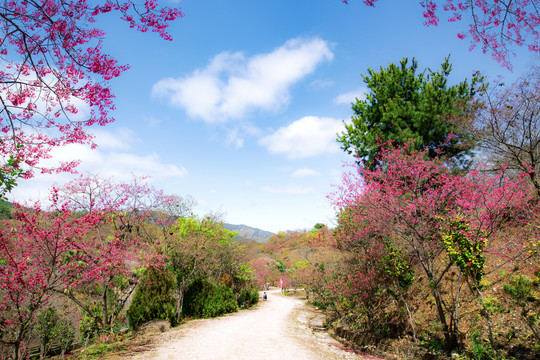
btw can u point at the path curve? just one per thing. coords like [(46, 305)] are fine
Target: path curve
[(276, 329)]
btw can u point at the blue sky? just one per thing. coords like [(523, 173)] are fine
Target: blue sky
[(241, 109)]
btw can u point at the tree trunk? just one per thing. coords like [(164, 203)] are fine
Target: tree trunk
[(179, 303), (486, 314), (524, 315), (105, 320), (450, 337), (17, 351), (18, 342)]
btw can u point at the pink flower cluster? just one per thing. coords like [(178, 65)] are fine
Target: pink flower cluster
[(77, 248), (409, 200)]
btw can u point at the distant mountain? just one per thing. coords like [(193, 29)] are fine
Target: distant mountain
[(247, 233)]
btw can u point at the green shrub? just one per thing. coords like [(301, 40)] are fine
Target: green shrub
[(525, 296), (6, 211), (204, 299), (89, 326), (196, 297), (222, 301), (47, 329), (248, 297), (320, 304), (493, 305), (481, 349), (66, 336), (54, 333), (521, 289), (154, 298)]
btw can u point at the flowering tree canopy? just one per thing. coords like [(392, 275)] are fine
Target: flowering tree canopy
[(494, 25), (443, 221), (43, 252), (52, 66), (85, 247)]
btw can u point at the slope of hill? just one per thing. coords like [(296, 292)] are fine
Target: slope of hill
[(247, 233)]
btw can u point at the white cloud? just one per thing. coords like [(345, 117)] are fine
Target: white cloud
[(120, 139), (152, 121), (309, 136), (351, 96), (71, 152), (109, 160), (305, 172), (289, 189), (232, 85), (236, 134), (320, 84), (234, 137), (122, 165)]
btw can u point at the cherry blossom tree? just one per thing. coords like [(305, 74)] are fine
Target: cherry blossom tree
[(85, 247), (376, 268), (134, 203), (54, 76), (138, 216), (495, 25), (40, 253), (261, 268), (442, 221)]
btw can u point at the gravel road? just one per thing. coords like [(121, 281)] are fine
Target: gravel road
[(278, 328)]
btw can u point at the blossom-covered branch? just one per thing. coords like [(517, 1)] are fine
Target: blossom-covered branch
[(495, 25), (54, 76)]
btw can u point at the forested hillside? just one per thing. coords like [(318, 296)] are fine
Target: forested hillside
[(248, 233)]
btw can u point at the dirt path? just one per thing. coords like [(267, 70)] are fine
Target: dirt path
[(277, 329)]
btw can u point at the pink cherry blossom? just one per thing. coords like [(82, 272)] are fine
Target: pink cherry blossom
[(53, 58)]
